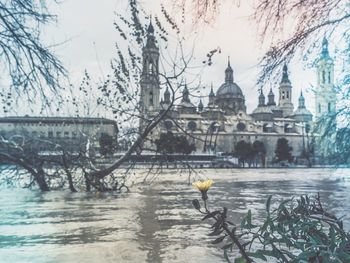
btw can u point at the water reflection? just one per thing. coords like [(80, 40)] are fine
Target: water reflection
[(154, 223)]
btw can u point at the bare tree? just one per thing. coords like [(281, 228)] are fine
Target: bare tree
[(119, 96), (31, 68)]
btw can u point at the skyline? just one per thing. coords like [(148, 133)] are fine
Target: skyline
[(89, 44)]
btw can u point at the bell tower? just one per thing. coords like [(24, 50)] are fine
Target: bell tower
[(285, 94), (149, 83), (325, 95)]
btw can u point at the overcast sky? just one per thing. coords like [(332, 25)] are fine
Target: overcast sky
[(87, 26)]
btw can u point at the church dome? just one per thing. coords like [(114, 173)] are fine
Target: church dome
[(229, 89), (263, 113), (302, 113), (229, 96)]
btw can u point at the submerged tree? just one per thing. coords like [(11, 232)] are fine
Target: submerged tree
[(283, 150), (134, 70)]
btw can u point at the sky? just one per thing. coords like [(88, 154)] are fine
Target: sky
[(86, 31)]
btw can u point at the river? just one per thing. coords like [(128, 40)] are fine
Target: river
[(155, 222)]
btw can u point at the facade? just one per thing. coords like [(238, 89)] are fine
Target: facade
[(224, 122), (51, 133)]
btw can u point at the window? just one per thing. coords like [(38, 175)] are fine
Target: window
[(323, 77), (267, 127), (319, 108), (192, 126), (150, 68), (329, 77), (288, 128), (66, 134), (329, 107), (241, 126), (58, 134), (287, 94), (151, 98), (74, 135), (282, 94), (50, 134)]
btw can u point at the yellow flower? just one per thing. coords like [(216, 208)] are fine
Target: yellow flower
[(203, 186)]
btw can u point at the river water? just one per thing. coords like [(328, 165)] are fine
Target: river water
[(153, 223)]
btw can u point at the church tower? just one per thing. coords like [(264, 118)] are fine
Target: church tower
[(325, 95), (285, 94), (150, 90)]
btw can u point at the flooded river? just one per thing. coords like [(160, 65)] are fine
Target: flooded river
[(153, 223)]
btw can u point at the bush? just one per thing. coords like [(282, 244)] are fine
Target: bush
[(295, 230)]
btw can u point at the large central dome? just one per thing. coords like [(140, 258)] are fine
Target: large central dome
[(229, 89), (229, 96)]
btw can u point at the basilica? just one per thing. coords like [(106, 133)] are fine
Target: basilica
[(224, 121)]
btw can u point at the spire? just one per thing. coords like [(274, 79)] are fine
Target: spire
[(151, 40), (211, 97), (285, 77), (211, 94), (229, 73), (150, 29), (185, 95), (271, 98), (261, 98), (200, 105), (301, 101), (325, 53), (167, 96)]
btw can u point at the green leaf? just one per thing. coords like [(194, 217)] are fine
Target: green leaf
[(218, 240), (257, 254), (229, 245), (249, 217), (268, 204), (240, 260), (226, 256)]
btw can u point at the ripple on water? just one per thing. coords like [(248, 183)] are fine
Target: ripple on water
[(154, 223)]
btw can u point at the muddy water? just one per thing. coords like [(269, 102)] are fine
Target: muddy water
[(153, 223)]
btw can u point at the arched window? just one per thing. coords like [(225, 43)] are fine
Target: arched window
[(329, 107), (151, 98), (323, 76), (288, 128), (150, 67)]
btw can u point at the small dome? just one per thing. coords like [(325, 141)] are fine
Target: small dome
[(187, 104), (231, 89), (302, 112), (262, 109), (262, 113)]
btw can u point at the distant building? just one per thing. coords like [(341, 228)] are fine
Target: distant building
[(325, 103), (325, 93), (56, 133), (224, 121)]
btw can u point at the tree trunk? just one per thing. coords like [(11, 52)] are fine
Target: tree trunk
[(40, 179)]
